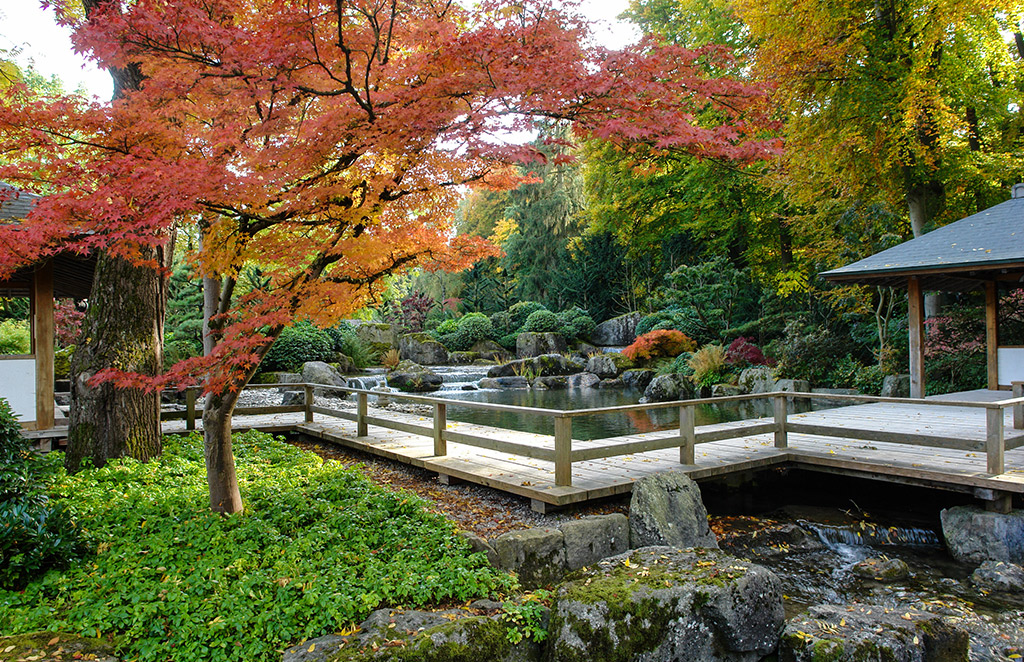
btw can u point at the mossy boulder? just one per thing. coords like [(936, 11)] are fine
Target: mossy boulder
[(666, 509), (865, 633), (44, 646), (608, 366), (882, 569), (662, 604), (536, 555), (535, 344), (423, 349), (667, 388), (411, 377)]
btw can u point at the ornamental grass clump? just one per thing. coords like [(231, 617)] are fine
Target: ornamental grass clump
[(317, 548), (709, 365)]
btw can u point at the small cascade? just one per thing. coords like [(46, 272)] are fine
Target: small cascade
[(460, 378), (868, 534)]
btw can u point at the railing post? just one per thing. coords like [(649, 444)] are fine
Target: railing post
[(190, 407), (361, 427), (309, 402), (687, 436), (781, 412), (1018, 410), (994, 445), (563, 451), (440, 425)]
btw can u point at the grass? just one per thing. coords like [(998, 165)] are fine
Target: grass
[(317, 548)]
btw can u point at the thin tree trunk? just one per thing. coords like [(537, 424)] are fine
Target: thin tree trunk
[(220, 459)]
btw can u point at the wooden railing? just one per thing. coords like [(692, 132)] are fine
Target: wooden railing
[(561, 453)]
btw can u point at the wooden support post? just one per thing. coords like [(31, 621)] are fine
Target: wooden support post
[(781, 414), (43, 343), (1002, 503), (309, 402), (687, 436), (1017, 388), (994, 446), (440, 425), (915, 322), (190, 407), (361, 427), (992, 334), (563, 451)]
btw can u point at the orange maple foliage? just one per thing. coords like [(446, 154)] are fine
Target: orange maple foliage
[(328, 141), (659, 343)]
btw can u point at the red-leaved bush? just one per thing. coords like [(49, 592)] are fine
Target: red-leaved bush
[(662, 343), (742, 352), (67, 319)]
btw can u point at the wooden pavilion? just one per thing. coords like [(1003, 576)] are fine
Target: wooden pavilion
[(982, 251), (27, 380)]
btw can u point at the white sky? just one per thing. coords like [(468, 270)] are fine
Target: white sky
[(30, 32)]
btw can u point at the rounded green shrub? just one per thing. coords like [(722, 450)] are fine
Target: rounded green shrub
[(542, 321), (447, 326), (575, 323), (519, 312), (508, 341), (474, 327), (297, 345)]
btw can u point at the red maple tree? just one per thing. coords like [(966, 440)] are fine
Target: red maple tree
[(328, 142)]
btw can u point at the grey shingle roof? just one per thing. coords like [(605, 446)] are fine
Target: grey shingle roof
[(14, 204), (989, 241)]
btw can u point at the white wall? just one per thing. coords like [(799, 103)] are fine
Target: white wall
[(18, 386), (1011, 364)]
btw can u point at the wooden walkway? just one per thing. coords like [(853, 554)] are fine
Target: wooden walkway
[(865, 454)]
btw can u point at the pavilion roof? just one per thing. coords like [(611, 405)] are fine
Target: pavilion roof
[(959, 256)]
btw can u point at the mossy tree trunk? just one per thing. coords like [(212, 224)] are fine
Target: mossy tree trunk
[(123, 329)]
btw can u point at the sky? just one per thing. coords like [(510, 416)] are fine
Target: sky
[(30, 33)]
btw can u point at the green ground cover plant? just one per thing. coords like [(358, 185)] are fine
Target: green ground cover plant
[(317, 548)]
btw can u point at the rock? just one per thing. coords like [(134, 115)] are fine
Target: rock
[(666, 388), (547, 365), (590, 539), (585, 349), (666, 509), (551, 383), (479, 544), (871, 632), (616, 332), (383, 393), (896, 386), (999, 576), (279, 378), (414, 378), (378, 338), (757, 379), (583, 380), (292, 398), (638, 379), (608, 366), (344, 364), (772, 541), (504, 382), (793, 385), (974, 535), (318, 372), (37, 646), (490, 350), (462, 358), (536, 555), (882, 569), (723, 390), (530, 344), (323, 648), (661, 604), (422, 349), (611, 383)]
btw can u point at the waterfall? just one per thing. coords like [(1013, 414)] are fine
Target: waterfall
[(866, 533)]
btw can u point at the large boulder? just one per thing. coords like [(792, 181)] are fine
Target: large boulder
[(896, 386), (318, 372), (608, 366), (638, 379), (530, 344), (414, 378), (856, 633), (553, 383), (504, 382), (422, 349), (662, 604), (974, 535), (490, 350), (590, 539), (666, 509), (757, 379), (536, 555), (616, 332), (584, 380), (666, 388), (378, 338), (545, 365)]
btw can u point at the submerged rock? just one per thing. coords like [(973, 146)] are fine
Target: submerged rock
[(882, 569), (638, 379), (666, 509), (662, 604), (857, 633), (608, 366)]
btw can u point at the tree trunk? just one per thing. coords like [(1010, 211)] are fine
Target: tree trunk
[(220, 459), (123, 329)]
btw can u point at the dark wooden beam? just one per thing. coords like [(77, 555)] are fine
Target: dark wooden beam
[(915, 321), (43, 339)]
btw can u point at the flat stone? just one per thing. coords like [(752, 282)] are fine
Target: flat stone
[(536, 555), (590, 539)]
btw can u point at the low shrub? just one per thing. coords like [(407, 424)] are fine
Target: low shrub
[(679, 365), (542, 321), (297, 345), (807, 353), (869, 380), (662, 343), (15, 337), (709, 366), (519, 312), (844, 373), (36, 532), (508, 341), (62, 362), (447, 326), (473, 327), (575, 323), (317, 548), (742, 353)]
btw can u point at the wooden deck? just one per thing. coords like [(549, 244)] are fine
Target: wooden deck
[(866, 453)]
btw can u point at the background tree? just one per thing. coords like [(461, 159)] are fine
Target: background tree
[(326, 142)]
